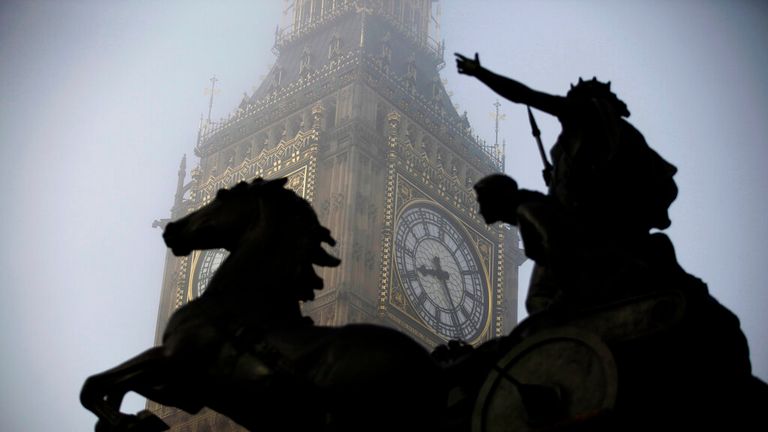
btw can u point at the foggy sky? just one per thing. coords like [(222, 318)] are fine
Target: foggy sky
[(99, 101)]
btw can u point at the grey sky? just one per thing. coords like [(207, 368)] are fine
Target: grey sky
[(101, 99)]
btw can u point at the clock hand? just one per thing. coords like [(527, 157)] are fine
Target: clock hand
[(430, 272), (439, 274), (425, 271), (454, 317), (443, 277)]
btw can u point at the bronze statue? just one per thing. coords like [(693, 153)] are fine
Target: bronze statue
[(681, 360), (243, 348), (607, 188), (620, 337)]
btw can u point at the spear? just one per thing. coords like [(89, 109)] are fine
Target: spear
[(547, 171)]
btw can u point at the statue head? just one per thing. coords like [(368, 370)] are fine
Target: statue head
[(594, 89), (603, 167)]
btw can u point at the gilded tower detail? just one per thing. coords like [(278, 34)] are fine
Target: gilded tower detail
[(355, 114)]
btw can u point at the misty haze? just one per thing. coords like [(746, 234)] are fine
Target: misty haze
[(120, 117)]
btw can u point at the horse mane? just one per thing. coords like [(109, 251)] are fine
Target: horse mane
[(305, 231)]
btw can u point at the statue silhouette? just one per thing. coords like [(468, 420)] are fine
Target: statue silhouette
[(620, 337), (243, 349), (678, 352)]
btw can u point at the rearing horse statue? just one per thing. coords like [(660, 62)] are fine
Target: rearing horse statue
[(243, 348)]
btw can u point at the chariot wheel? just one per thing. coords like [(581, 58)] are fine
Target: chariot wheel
[(551, 380)]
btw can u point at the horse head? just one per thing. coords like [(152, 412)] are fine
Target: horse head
[(261, 221)]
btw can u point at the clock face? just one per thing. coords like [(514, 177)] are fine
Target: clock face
[(440, 272), (207, 264)]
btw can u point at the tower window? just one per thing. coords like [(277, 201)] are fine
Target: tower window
[(436, 89), (316, 10), (277, 78), (408, 16), (303, 12), (410, 68), (381, 117), (304, 63), (386, 52), (330, 115), (410, 73), (334, 49)]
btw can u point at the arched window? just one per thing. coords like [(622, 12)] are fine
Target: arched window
[(306, 7), (277, 78), (334, 48), (316, 10), (305, 62), (410, 68), (436, 87), (386, 52), (410, 73)]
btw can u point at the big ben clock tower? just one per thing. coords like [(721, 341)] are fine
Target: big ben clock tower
[(355, 114)]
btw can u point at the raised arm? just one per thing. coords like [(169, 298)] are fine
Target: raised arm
[(509, 88)]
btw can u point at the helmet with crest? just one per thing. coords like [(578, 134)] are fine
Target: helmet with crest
[(594, 89)]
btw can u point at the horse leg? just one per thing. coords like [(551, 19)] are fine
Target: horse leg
[(103, 393)]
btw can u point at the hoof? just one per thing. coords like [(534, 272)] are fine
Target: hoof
[(144, 421)]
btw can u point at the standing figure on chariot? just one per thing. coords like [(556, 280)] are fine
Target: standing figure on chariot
[(590, 238), (607, 190)]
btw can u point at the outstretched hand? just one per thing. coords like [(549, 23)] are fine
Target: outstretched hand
[(468, 66)]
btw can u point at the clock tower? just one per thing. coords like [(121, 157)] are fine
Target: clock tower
[(355, 114)]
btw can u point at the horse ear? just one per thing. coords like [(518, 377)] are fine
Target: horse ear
[(278, 182), (324, 259), (221, 193), (325, 236), (581, 80)]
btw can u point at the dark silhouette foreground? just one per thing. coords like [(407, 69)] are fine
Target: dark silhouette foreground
[(243, 349), (620, 337), (681, 360)]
